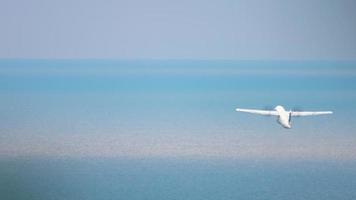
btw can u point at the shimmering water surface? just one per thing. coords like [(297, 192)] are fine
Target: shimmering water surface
[(167, 129)]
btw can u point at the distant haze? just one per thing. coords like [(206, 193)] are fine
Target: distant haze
[(228, 29)]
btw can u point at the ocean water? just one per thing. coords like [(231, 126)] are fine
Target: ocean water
[(174, 179), (167, 129)]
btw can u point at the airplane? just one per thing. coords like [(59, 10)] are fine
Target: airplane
[(284, 117)]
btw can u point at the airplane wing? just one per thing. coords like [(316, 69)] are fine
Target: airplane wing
[(260, 112), (301, 114)]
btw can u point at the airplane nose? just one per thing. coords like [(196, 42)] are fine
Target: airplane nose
[(287, 126)]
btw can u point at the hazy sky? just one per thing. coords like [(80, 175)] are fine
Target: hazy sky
[(203, 29)]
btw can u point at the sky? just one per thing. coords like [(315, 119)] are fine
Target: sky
[(160, 29)]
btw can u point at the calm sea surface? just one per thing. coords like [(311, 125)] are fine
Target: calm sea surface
[(150, 129), (174, 179)]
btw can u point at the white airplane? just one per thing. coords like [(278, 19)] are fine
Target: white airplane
[(283, 117)]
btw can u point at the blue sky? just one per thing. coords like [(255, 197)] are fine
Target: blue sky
[(228, 29)]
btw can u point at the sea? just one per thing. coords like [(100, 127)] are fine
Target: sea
[(167, 129)]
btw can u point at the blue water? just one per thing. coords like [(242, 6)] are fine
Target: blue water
[(166, 129), (57, 94), (174, 179)]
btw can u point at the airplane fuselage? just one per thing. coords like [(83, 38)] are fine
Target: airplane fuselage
[(283, 117)]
